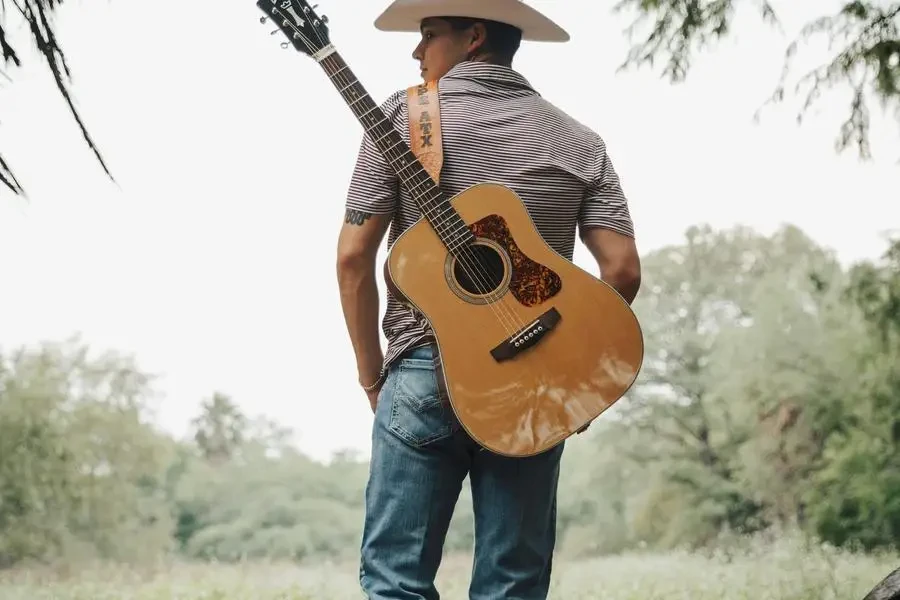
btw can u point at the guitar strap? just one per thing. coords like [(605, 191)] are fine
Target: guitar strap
[(425, 127), (427, 145)]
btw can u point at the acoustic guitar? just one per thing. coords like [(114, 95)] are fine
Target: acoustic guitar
[(532, 347)]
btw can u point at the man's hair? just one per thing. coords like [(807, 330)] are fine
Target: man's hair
[(502, 40)]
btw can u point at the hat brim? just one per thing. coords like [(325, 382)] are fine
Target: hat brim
[(407, 16)]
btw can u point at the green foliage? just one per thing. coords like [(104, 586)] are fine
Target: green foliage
[(594, 491), (79, 466), (856, 496), (856, 499), (863, 38), (255, 507), (876, 290), (721, 300), (219, 429)]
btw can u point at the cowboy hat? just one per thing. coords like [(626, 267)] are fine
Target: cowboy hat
[(407, 15)]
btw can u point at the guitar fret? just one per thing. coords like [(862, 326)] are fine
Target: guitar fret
[(410, 166)]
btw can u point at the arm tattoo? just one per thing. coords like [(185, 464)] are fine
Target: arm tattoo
[(356, 217)]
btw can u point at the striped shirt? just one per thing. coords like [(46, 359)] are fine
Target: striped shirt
[(495, 128)]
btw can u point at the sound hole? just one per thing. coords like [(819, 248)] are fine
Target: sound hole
[(479, 269)]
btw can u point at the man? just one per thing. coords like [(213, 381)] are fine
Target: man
[(495, 127)]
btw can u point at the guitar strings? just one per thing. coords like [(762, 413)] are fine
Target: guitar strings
[(469, 259)]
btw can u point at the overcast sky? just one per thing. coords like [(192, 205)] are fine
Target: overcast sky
[(212, 260)]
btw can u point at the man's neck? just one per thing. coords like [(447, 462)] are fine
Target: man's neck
[(491, 59)]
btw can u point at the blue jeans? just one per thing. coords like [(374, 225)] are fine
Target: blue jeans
[(420, 457)]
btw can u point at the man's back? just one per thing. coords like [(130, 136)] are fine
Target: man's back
[(497, 128)]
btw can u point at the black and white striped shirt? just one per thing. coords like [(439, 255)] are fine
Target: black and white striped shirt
[(496, 128)]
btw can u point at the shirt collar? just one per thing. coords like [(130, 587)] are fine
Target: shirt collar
[(489, 75)]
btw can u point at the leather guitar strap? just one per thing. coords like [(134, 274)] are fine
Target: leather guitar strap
[(427, 145), (425, 127)]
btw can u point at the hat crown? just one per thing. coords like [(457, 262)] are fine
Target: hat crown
[(407, 15)]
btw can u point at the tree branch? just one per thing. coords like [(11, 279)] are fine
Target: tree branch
[(37, 15), (865, 62), (869, 61)]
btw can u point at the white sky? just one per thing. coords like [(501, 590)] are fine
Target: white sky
[(212, 261)]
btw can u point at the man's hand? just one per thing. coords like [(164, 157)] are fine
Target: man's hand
[(358, 242), (617, 257), (373, 398), (373, 390)]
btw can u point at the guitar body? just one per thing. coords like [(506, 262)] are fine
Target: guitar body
[(531, 350)]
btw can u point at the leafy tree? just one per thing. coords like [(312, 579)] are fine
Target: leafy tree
[(863, 34), (80, 469), (715, 310), (596, 483), (220, 429), (38, 16), (282, 507), (788, 375), (855, 498)]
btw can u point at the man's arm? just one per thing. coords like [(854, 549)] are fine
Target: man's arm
[(358, 242), (607, 230), (618, 259), (370, 205)]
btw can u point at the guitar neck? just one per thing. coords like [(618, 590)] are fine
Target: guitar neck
[(434, 206)]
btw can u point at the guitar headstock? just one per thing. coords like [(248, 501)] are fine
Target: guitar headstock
[(297, 20)]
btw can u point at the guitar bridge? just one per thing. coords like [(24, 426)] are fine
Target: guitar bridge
[(527, 337)]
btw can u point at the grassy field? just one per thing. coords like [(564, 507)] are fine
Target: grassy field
[(784, 571)]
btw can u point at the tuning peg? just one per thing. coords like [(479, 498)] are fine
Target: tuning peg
[(285, 45), (324, 18), (274, 31), (263, 20)]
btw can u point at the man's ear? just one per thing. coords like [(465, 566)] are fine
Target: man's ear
[(478, 38)]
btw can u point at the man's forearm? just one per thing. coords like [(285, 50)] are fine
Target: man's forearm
[(618, 259), (625, 281), (359, 300)]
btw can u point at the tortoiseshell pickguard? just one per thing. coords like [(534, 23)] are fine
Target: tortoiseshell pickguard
[(531, 283)]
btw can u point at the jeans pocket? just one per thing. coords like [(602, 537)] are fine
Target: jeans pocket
[(418, 415)]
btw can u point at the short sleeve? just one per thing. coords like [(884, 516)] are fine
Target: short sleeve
[(604, 204), (374, 186)]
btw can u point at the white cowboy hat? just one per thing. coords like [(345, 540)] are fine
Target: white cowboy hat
[(407, 15)]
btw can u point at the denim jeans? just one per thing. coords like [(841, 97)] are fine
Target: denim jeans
[(420, 457)]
